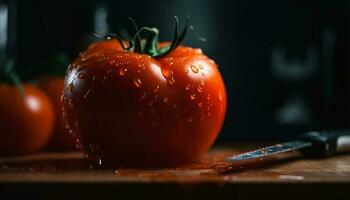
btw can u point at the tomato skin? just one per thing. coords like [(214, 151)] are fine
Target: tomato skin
[(103, 45), (132, 110), (26, 124), (61, 139)]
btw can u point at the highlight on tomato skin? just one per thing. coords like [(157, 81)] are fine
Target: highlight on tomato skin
[(130, 108), (26, 122)]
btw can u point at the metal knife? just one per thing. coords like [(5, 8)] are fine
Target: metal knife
[(313, 144)]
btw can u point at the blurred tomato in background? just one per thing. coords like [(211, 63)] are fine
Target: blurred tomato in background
[(61, 138), (26, 120)]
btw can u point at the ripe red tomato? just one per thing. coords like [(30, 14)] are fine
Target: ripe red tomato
[(61, 138), (134, 110), (25, 123)]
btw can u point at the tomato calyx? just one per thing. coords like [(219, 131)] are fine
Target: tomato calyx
[(9, 75), (149, 44)]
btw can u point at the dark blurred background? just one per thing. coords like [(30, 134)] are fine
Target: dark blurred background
[(285, 63)]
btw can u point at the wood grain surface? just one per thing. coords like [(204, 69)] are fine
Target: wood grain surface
[(280, 174), (212, 167)]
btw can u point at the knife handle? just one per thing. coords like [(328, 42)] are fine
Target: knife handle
[(325, 143)]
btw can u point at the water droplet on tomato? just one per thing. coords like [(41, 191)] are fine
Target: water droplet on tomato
[(193, 96), (70, 103), (156, 89), (99, 161), (189, 119), (137, 82), (200, 104), (86, 93), (166, 99), (202, 82), (200, 89), (81, 75), (186, 70), (188, 87), (122, 71), (143, 96), (171, 81), (168, 75), (194, 68), (209, 113), (78, 144), (220, 96), (70, 87), (208, 97)]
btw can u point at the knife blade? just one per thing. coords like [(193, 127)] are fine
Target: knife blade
[(313, 144), (270, 150)]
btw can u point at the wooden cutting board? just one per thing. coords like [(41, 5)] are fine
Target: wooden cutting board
[(283, 174)]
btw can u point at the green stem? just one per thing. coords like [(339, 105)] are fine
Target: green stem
[(150, 46), (137, 40), (120, 40), (15, 80), (10, 75), (151, 41)]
